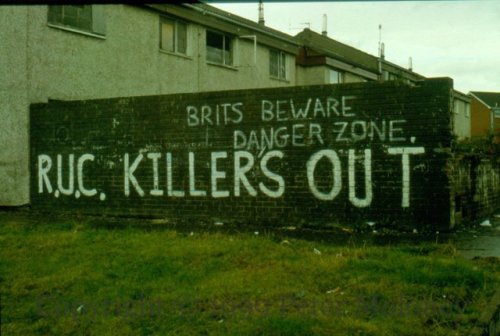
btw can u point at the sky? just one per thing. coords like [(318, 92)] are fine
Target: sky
[(457, 39)]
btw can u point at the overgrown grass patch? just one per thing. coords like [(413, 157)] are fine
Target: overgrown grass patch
[(70, 277)]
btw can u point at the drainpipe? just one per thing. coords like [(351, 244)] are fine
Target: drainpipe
[(380, 59), (380, 75), (254, 38)]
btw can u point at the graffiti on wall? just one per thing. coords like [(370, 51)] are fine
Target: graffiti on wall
[(330, 130)]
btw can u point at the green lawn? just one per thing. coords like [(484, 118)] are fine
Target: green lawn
[(66, 276)]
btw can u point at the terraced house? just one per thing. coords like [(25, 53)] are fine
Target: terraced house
[(486, 111), (70, 52)]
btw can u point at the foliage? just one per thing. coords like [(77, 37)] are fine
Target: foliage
[(64, 276), (489, 146)]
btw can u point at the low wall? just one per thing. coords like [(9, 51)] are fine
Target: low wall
[(347, 153)]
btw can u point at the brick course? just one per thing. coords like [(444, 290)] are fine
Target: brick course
[(404, 131)]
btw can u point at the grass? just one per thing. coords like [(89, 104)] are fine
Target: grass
[(68, 277)]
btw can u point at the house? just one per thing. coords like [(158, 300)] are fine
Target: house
[(461, 126), (102, 51), (75, 52), (485, 109), (324, 60)]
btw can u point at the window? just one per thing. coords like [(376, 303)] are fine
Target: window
[(219, 48), (336, 77), (496, 112), (173, 36), (393, 76), (86, 18), (277, 64), (456, 107)]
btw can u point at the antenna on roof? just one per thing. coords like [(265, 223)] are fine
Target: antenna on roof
[(324, 32), (308, 24), (261, 13)]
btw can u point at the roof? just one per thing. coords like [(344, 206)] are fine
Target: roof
[(316, 46), (462, 96), (335, 49), (321, 45), (490, 99), (241, 20), (218, 19)]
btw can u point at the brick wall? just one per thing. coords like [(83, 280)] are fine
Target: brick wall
[(304, 155), (475, 186)]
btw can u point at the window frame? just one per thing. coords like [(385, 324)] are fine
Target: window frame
[(282, 66), (393, 76), (95, 28), (340, 76), (227, 55), (456, 106), (496, 112), (176, 23)]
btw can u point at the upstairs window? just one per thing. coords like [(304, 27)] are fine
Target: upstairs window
[(496, 112), (336, 77), (393, 76), (456, 106), (390, 76), (277, 64), (85, 18), (219, 48), (173, 36)]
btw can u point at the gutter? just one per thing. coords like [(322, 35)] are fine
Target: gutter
[(351, 68)]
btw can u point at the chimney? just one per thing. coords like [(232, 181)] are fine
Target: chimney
[(381, 52), (261, 13), (324, 32), (380, 41), (410, 64)]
